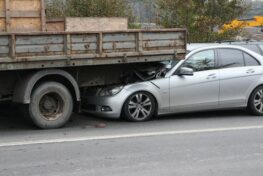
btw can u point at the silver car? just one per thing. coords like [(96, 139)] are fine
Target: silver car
[(210, 78)]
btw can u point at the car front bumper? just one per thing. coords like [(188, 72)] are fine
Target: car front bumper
[(108, 106)]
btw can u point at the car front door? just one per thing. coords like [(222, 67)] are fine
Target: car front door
[(197, 92), (239, 72)]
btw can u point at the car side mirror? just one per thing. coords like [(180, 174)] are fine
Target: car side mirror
[(185, 71)]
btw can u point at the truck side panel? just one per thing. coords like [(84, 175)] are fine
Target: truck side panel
[(64, 49)]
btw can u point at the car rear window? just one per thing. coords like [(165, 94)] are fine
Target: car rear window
[(250, 61)]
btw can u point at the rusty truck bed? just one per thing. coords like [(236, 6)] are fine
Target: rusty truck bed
[(68, 49)]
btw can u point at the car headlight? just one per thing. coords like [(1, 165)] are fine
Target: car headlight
[(109, 91)]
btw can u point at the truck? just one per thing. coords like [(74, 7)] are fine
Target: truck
[(44, 73)]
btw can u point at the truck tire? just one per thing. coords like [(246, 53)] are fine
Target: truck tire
[(51, 105)]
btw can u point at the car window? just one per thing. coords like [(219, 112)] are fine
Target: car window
[(252, 48), (204, 60), (250, 61), (261, 46), (230, 58)]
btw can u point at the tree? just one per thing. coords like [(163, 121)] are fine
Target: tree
[(89, 8), (56, 8), (201, 18), (144, 10)]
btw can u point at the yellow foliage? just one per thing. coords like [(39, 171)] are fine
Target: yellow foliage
[(238, 24)]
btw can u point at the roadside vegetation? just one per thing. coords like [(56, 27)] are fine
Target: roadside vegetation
[(203, 19), (90, 8)]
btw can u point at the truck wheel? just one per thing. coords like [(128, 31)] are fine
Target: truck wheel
[(51, 105), (139, 107)]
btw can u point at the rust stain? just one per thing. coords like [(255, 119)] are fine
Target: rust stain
[(87, 46), (114, 45), (46, 48)]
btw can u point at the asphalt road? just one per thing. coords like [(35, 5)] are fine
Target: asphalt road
[(205, 144)]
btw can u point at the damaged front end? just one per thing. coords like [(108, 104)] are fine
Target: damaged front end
[(146, 73), (131, 75)]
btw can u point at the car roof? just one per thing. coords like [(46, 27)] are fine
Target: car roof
[(253, 53), (259, 50)]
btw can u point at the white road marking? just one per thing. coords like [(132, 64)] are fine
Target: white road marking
[(123, 136)]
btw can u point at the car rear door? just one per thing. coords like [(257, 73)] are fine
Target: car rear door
[(238, 71), (197, 92)]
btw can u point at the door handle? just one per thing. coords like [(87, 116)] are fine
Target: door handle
[(250, 71), (211, 76)]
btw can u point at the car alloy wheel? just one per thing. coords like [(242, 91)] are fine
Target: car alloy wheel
[(140, 107), (258, 101), (255, 103)]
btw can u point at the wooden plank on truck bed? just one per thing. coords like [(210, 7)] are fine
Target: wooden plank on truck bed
[(96, 23), (22, 15), (55, 24)]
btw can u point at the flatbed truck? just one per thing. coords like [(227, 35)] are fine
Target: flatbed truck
[(44, 72)]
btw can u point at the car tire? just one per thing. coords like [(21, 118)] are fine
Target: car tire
[(51, 105), (255, 102), (139, 107)]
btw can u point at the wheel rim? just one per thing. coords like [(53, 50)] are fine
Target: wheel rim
[(51, 106), (140, 106), (258, 101)]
